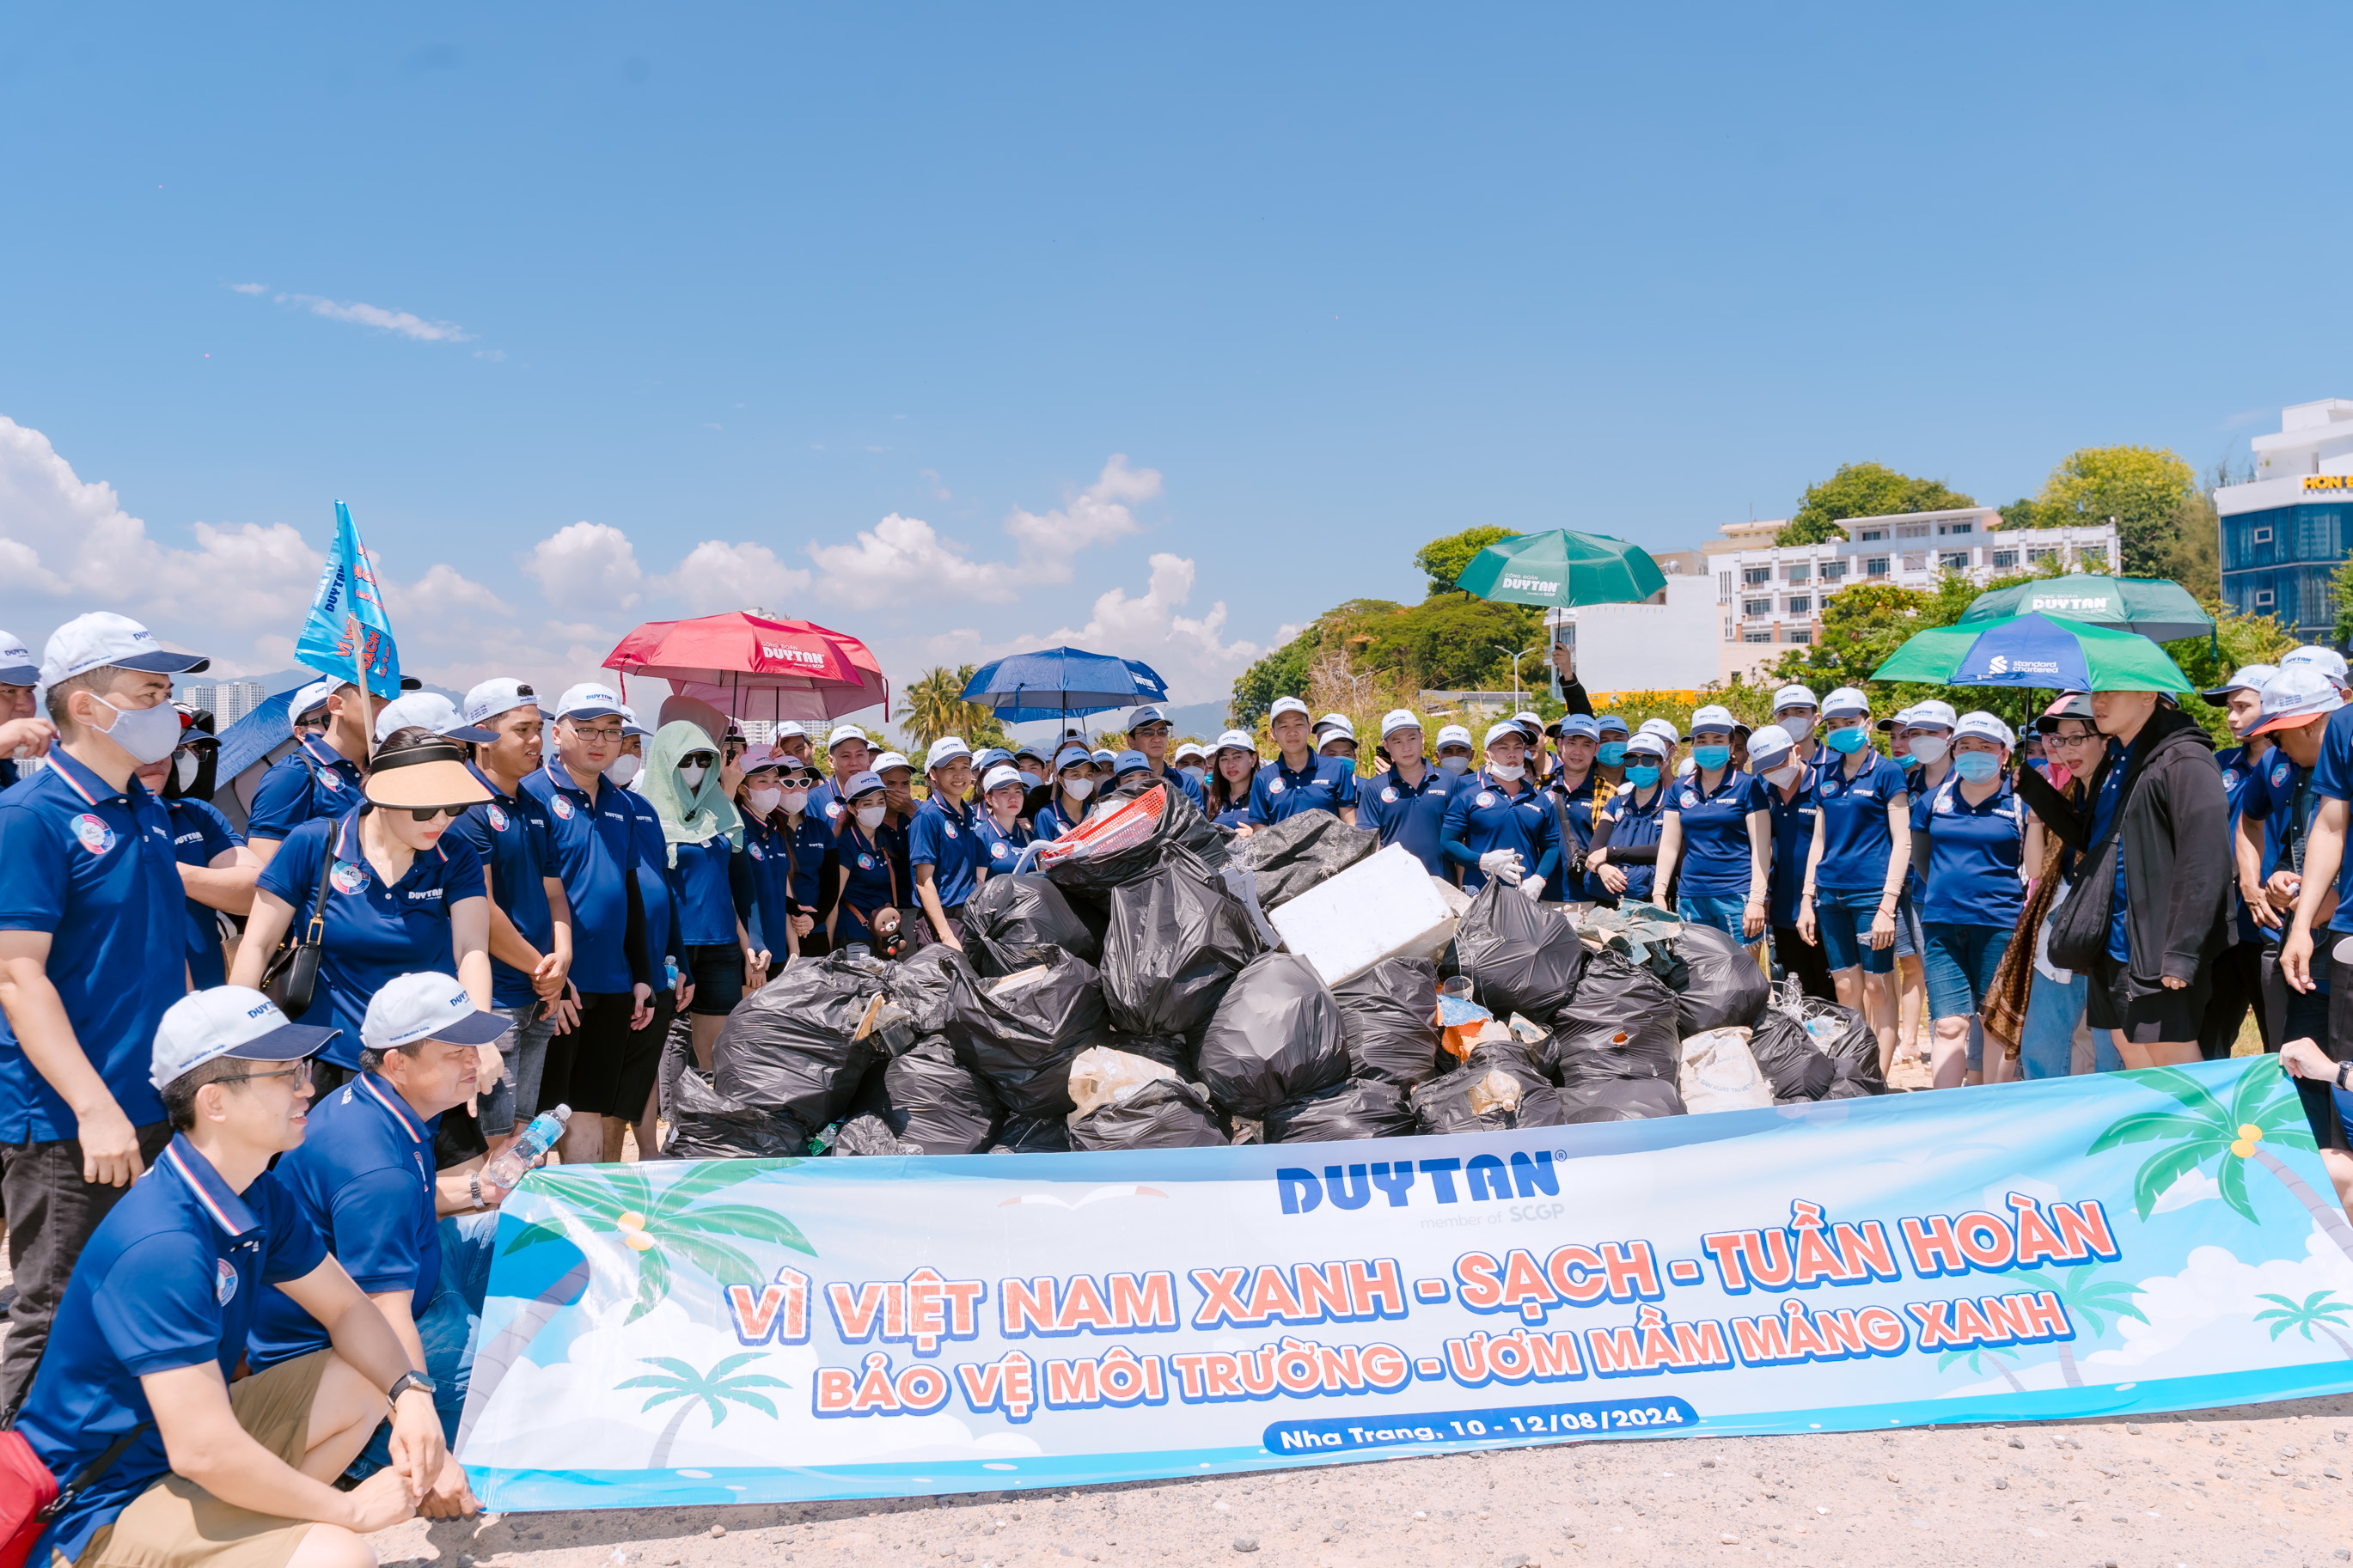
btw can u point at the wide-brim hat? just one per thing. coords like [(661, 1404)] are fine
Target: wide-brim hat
[(434, 774)]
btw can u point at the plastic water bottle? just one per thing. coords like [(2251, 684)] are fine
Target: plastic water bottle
[(507, 1167)]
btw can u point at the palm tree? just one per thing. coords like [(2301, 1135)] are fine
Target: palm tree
[(2321, 1310), (592, 1204), (2263, 1110), (935, 707), (713, 1388), (2093, 1301), (1977, 1361)]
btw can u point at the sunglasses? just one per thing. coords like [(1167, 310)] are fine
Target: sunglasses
[(428, 813), (300, 1072), (693, 759)]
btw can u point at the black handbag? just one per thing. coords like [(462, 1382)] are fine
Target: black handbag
[(292, 978), (2079, 931)]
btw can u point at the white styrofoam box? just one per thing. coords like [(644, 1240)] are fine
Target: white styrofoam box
[(1381, 907)]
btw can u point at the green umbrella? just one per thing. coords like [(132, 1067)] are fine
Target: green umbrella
[(1559, 567), (2157, 607), (2037, 650)]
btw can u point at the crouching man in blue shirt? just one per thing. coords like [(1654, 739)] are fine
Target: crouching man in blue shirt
[(364, 1177), (155, 1321)]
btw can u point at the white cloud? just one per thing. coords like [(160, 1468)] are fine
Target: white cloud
[(586, 566), (248, 289), (406, 324), (904, 557), (715, 575), (2192, 1186), (1095, 515), (2213, 1285)]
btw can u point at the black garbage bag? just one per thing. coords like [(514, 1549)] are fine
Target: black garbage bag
[(1726, 985), (1286, 860), (1176, 940), (1621, 1026), (1020, 1032), (704, 1125), (923, 985), (1523, 1060), (1163, 1114), (793, 1045), (1388, 1015), (936, 1105), (1848, 1041), (1116, 846), (1276, 1037), (1477, 1097), (1607, 1099), (1851, 1088), (1522, 956), (1014, 922), (867, 1135), (1033, 1135), (1345, 1111), (1787, 1056), (1172, 1051)]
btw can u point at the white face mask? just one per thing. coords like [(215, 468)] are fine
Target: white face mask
[(1782, 778), (764, 801), (691, 775), (1930, 748), (184, 768), (149, 734), (1507, 771), (624, 771), (1798, 728), (1196, 775), (1078, 789), (871, 817), (795, 801), (1455, 765)]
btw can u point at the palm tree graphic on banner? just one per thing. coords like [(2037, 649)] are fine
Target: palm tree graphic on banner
[(2264, 1110), (1981, 1359), (2321, 1310), (714, 1389), (2090, 1301)]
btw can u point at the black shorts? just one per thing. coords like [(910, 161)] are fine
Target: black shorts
[(717, 970), (2117, 999), (612, 1066)]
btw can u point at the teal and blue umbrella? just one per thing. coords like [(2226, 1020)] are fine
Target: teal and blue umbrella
[(2036, 650)]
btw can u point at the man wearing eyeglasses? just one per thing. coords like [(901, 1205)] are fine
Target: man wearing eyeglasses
[(1147, 732), (590, 832)]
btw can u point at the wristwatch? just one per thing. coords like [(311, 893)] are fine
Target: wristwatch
[(408, 1381), (474, 1185), (2342, 1068)]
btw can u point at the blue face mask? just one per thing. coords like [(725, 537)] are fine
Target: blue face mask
[(1977, 766), (1612, 753), (1711, 757), (1846, 742), (1641, 776)]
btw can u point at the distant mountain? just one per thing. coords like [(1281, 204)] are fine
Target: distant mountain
[(278, 681)]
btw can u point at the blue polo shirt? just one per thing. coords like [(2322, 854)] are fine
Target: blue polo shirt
[(8, 775), (508, 834), (1411, 815), (1004, 846), (310, 782), (1630, 825), (94, 866), (1793, 841), (172, 1277), (2103, 813), (2269, 796), (1856, 841), (374, 933), (591, 847), (364, 1177), (870, 884), (948, 839), (809, 841), (767, 858), (1325, 783), (2332, 776), (1480, 817), (2239, 779), (1974, 854), (1050, 822), (1179, 781), (710, 879), (199, 832), (1713, 861), (658, 889)]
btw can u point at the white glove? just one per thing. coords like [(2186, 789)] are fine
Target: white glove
[(1533, 887), (1502, 864)]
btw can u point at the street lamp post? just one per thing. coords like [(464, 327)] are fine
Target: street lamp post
[(1516, 659)]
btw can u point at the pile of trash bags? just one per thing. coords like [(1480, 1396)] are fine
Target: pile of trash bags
[(1128, 994)]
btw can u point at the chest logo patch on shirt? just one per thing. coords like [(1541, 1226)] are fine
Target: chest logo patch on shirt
[(1944, 805), (1486, 799), (1690, 797), (498, 818), (754, 850), (2279, 774), (224, 1280), (999, 849), (1274, 786), (332, 780), (1389, 796), (347, 877), (93, 833), (950, 828), (866, 862), (562, 806), (833, 808)]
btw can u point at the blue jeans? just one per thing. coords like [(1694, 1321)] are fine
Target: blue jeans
[(2046, 1047), (1724, 912), (448, 1329), (522, 1056), (1843, 916), (1960, 962)]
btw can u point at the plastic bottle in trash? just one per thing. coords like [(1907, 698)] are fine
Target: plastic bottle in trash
[(506, 1168)]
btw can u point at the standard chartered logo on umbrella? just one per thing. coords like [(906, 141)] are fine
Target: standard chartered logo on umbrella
[(2002, 663)]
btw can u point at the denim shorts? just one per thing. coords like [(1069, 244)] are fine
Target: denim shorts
[(1842, 918), (1960, 961), (1910, 942), (1724, 912)]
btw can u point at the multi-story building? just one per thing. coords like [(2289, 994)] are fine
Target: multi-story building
[(1769, 597), (226, 700), (2286, 533)]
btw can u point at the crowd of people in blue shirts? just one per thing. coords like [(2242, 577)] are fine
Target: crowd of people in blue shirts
[(236, 1340)]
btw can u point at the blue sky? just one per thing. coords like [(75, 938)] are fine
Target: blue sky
[(1192, 307)]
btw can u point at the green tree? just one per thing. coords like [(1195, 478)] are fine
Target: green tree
[(1447, 642), (2340, 588), (1443, 560), (2239, 641), (935, 707), (716, 1388), (2149, 492), (1864, 489)]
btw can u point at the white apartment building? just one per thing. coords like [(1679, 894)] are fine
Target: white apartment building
[(1769, 597), (226, 700)]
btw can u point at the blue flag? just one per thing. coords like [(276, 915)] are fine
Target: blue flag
[(347, 628)]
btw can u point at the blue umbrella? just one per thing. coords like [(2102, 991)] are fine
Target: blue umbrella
[(1057, 682)]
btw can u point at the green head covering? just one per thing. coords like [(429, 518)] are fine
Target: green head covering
[(688, 816)]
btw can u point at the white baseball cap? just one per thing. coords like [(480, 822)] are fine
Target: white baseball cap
[(1287, 705), (101, 638), (2249, 678), (2330, 661), (430, 711), (760, 759), (1794, 697), (944, 750), (227, 1021), (786, 730), (1931, 715), (1332, 724), (889, 760), (427, 1007), (2296, 695), (1985, 726), (998, 777), (1845, 702), (1453, 735), (1187, 749), (1665, 729), (1649, 744), (495, 697), (1398, 719), (1071, 755), (1504, 729), (311, 699), (1769, 746), (1104, 756), (1147, 714), (16, 666), (1712, 716), (845, 733), (631, 724), (589, 700), (1237, 741)]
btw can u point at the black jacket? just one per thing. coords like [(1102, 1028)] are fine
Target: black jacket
[(2175, 841)]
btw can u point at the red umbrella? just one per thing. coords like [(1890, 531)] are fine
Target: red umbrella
[(752, 668)]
